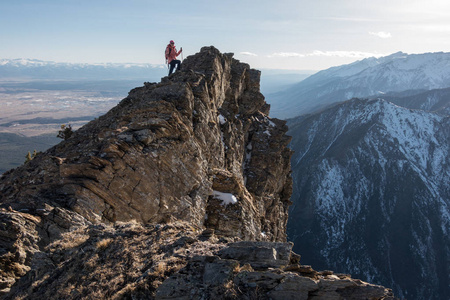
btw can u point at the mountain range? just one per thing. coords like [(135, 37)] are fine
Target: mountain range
[(371, 77), (38, 69), (371, 192), (436, 100)]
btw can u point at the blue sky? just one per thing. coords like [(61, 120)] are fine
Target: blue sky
[(283, 34)]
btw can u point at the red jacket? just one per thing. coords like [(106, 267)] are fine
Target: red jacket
[(171, 53)]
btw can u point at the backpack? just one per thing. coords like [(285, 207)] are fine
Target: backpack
[(168, 52)]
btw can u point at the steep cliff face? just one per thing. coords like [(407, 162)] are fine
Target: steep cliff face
[(163, 189)]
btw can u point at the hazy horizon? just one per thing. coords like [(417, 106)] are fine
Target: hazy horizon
[(287, 34)]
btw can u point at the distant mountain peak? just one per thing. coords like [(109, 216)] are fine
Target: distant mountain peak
[(399, 54), (27, 62), (43, 70), (397, 72)]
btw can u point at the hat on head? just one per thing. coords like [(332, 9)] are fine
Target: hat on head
[(172, 42)]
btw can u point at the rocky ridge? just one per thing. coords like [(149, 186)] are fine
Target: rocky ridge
[(162, 189)]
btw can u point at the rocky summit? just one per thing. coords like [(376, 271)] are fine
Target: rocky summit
[(181, 191)]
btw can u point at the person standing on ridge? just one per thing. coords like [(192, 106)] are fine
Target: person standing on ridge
[(171, 55)]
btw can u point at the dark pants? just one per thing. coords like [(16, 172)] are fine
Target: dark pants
[(172, 65)]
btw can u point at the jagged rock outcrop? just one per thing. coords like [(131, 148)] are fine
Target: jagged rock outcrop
[(261, 270), (23, 235), (196, 152), (169, 151), (163, 151)]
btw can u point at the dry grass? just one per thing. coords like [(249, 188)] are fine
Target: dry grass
[(71, 239), (243, 268), (125, 261), (230, 291), (160, 269), (103, 244)]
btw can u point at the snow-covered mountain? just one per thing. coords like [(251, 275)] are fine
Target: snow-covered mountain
[(24, 62), (437, 100), (372, 195), (38, 69), (368, 77)]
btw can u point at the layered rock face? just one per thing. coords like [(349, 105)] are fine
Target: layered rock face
[(163, 189), (172, 150)]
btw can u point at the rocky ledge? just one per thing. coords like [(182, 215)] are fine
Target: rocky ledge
[(160, 197), (177, 261)]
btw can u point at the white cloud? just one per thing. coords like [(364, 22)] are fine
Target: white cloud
[(248, 54), (350, 54), (286, 54), (354, 19), (381, 34)]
